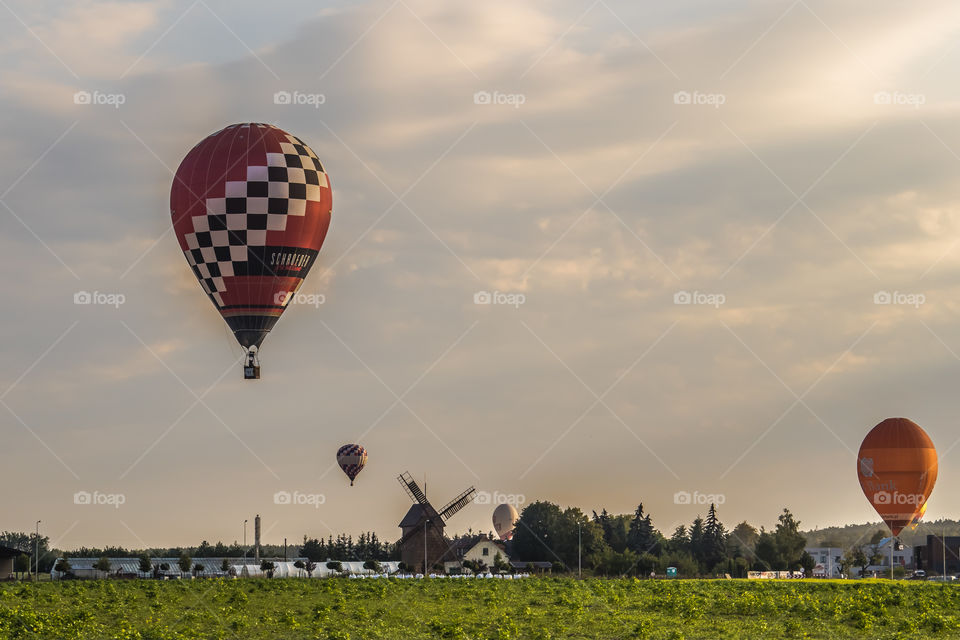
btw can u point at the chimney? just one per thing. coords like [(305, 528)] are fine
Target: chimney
[(256, 538)]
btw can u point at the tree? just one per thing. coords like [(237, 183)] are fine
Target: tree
[(714, 540), (184, 563), (871, 555), (766, 553), (313, 549), (21, 564), (299, 566), (268, 567), (225, 566), (533, 537), (309, 566), (854, 558), (790, 542), (742, 541), (145, 564), (697, 543), (373, 565), (63, 566), (680, 541), (809, 563), (335, 566), (641, 536), (103, 564), (164, 566), (500, 565), (198, 569)]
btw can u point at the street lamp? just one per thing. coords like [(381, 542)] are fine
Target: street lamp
[(579, 553), (36, 573)]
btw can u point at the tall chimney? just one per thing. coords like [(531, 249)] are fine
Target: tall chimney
[(256, 538)]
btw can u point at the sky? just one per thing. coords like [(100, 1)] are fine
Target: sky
[(718, 241)]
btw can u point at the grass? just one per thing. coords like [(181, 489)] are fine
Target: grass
[(341, 609)]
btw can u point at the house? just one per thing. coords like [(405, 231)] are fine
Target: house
[(829, 560), (8, 556), (902, 556), (485, 551)]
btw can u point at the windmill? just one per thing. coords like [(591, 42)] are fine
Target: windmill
[(423, 525)]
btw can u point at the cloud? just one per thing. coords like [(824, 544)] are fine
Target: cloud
[(599, 198)]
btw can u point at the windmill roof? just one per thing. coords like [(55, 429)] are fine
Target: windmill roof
[(416, 514)]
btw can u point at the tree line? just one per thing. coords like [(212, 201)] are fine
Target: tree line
[(343, 548), (629, 544)]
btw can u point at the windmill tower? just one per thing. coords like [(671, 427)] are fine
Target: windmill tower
[(423, 525)]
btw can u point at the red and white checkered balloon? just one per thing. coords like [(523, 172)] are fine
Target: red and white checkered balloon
[(251, 207)]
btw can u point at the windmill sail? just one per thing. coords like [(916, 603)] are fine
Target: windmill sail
[(457, 503), (412, 488)]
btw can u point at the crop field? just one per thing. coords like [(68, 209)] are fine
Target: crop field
[(532, 608)]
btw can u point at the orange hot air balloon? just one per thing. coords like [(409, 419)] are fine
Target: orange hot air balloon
[(897, 467)]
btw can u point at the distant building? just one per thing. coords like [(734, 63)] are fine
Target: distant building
[(930, 556), (212, 568), (828, 561), (902, 557), (423, 521), (7, 557), (476, 549)]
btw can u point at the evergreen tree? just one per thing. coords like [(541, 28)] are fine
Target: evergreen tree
[(642, 537), (697, 543), (714, 542)]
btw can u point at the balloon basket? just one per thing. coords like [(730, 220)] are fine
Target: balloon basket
[(251, 370)]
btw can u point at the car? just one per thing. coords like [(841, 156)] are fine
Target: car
[(942, 579)]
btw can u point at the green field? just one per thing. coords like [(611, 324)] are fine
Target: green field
[(532, 608)]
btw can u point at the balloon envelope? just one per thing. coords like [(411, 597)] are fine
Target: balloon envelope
[(251, 208), (897, 468), (351, 458), (505, 518)]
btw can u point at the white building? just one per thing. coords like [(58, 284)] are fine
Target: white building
[(212, 568), (902, 558), (828, 561)]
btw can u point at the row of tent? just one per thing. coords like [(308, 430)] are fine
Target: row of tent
[(213, 567)]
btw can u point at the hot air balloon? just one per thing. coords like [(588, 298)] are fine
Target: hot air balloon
[(351, 458), (505, 518), (897, 467), (251, 207)]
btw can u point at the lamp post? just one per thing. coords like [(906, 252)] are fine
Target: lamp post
[(579, 553), (36, 573)]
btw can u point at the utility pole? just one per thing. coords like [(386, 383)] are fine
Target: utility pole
[(943, 539), (36, 573), (244, 540), (579, 553)]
